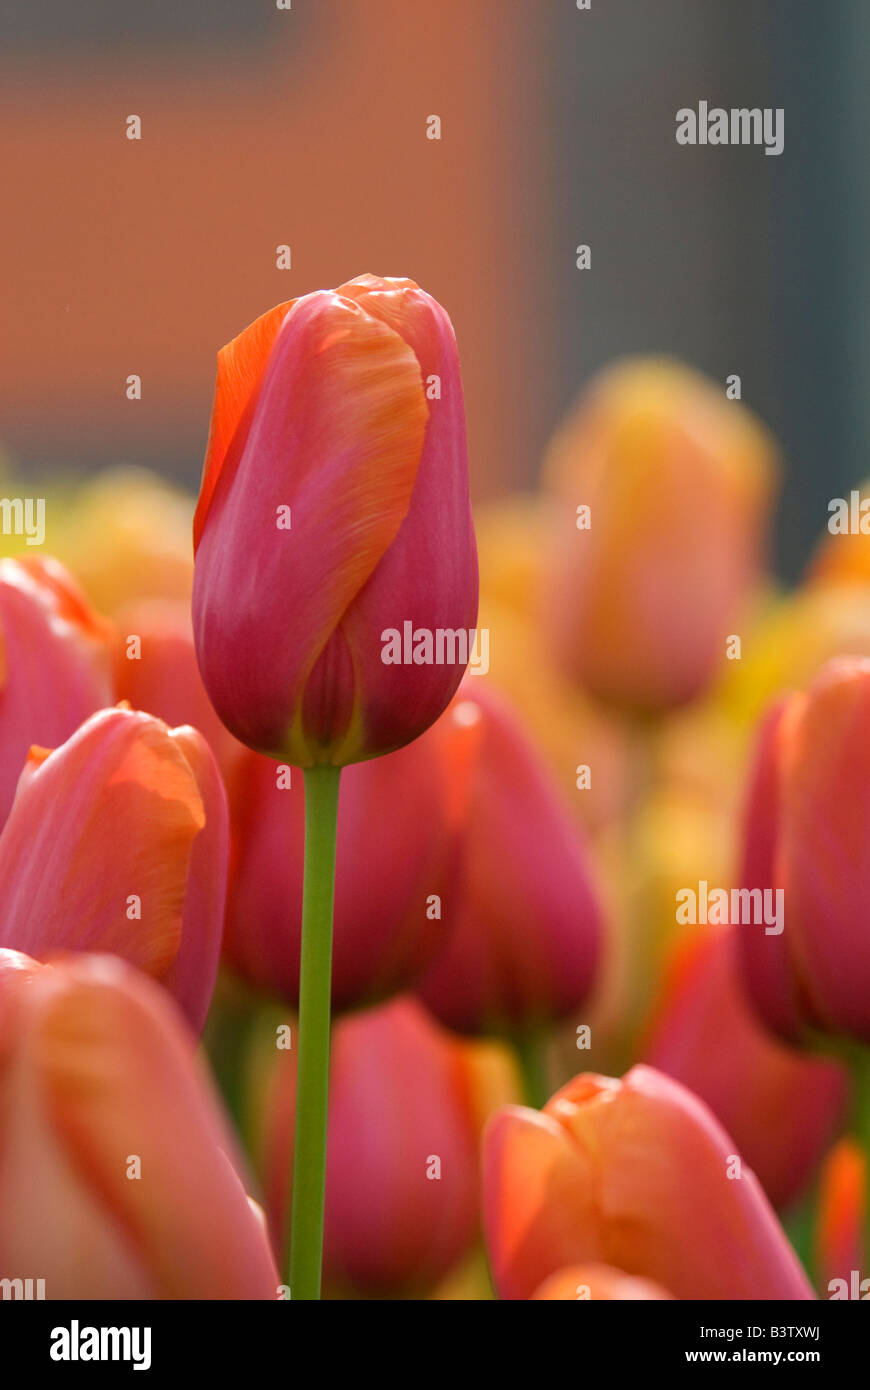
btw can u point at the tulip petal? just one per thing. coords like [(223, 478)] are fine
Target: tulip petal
[(118, 1077), (241, 364)]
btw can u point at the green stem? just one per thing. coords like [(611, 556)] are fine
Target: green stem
[(531, 1056), (315, 998)]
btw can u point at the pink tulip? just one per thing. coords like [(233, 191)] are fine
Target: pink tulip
[(397, 833), (333, 510), (807, 835), (636, 1174), (523, 921), (119, 1178), (117, 841), (54, 662), (405, 1110), (707, 1036)]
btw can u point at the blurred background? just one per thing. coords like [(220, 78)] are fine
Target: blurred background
[(307, 127)]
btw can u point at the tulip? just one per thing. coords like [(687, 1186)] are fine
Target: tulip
[(54, 662), (636, 1174), (646, 586), (840, 1222), (407, 1104), (807, 835), (126, 537), (156, 671), (117, 842), (334, 511), (707, 1037), (119, 1177), (598, 1283), (522, 922), (397, 833)]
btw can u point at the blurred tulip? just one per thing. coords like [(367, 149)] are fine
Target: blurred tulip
[(840, 1221), (523, 923), (406, 1107), (126, 536), (707, 1037), (54, 662), (636, 1174), (118, 1174), (117, 841), (160, 676), (598, 1283), (334, 509), (807, 834), (396, 839), (562, 721), (678, 482)]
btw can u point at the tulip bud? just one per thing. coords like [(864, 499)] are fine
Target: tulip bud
[(636, 1174), (522, 921), (661, 492), (119, 1177), (707, 1037), (406, 1106), (117, 842), (54, 662), (333, 529), (807, 837), (396, 841)]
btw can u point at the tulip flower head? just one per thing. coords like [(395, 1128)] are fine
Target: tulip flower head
[(334, 511), (807, 834), (638, 1175), (407, 1104), (661, 489), (119, 1177), (522, 919), (117, 842)]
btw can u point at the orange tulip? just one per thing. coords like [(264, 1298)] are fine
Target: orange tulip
[(54, 662), (119, 1177), (636, 1174), (117, 841), (646, 587)]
